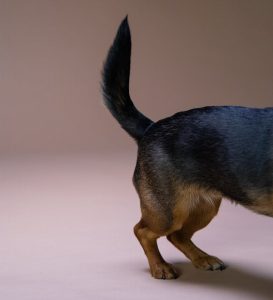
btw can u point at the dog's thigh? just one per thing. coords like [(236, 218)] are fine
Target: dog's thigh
[(200, 216)]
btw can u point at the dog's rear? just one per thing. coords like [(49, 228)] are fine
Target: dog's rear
[(188, 162)]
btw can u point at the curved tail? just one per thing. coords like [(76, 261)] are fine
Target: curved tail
[(115, 85)]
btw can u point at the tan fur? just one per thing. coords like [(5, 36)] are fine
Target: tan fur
[(200, 215), (158, 266), (263, 205), (193, 209)]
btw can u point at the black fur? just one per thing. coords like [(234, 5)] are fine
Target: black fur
[(227, 148), (115, 85)]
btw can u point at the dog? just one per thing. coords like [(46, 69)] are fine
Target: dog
[(188, 162)]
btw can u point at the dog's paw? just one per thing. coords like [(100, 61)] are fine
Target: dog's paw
[(209, 263), (163, 271)]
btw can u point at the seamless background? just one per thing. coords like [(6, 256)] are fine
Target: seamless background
[(67, 205), (185, 54)]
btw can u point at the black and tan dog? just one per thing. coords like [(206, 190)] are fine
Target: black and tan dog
[(188, 162)]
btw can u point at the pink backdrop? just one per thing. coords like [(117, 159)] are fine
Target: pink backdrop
[(185, 54)]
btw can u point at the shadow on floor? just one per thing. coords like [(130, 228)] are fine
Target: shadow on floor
[(233, 279)]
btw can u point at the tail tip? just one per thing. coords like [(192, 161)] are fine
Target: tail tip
[(125, 20), (124, 23)]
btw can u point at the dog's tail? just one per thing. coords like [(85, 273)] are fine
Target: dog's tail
[(115, 85)]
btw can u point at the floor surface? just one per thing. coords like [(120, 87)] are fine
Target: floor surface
[(66, 234)]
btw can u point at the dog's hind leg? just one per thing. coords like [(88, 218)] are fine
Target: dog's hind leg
[(157, 221), (200, 216), (159, 268)]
